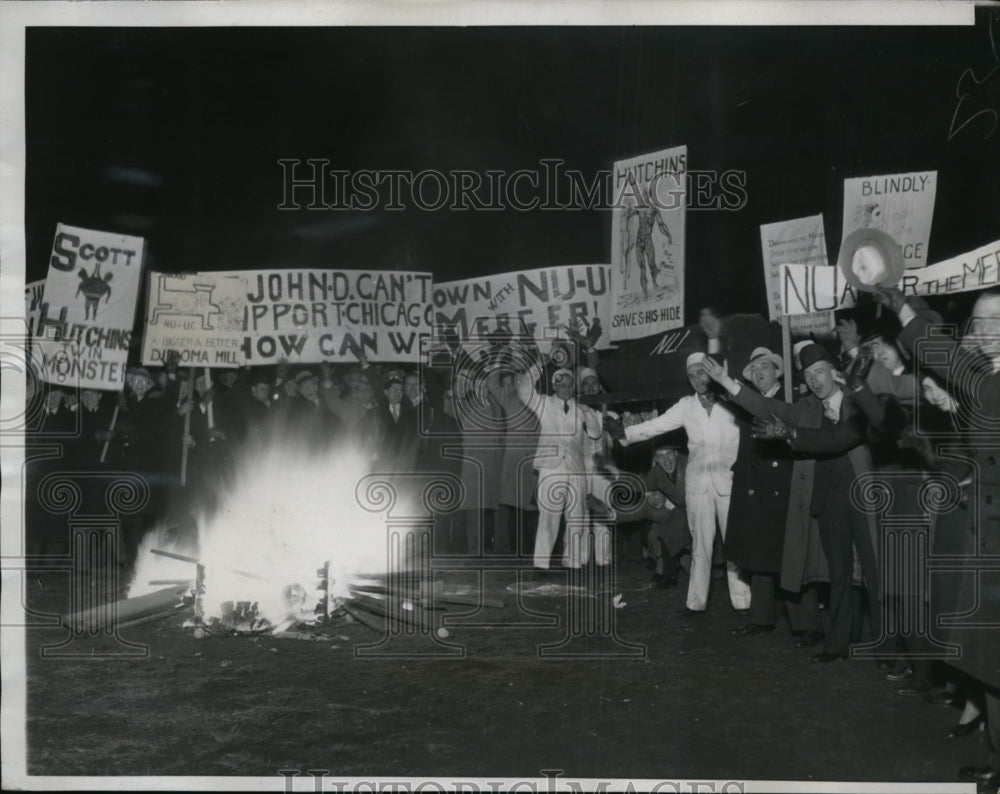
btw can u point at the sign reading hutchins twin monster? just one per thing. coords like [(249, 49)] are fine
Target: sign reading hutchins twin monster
[(84, 324), (647, 244)]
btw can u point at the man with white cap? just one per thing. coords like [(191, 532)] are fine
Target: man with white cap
[(713, 442), (560, 460)]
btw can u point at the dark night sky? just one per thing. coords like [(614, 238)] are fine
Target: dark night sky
[(205, 114)]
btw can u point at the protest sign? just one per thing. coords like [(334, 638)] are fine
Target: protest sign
[(801, 241), (84, 326), (308, 316), (807, 289), (902, 205), (526, 302), (199, 315), (33, 292), (647, 244)]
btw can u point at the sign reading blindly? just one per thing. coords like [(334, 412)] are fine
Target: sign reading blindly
[(902, 205)]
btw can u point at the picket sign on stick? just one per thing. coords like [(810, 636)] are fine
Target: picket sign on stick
[(111, 429), (211, 403), (786, 355), (187, 432)]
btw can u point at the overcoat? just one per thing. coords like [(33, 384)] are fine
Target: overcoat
[(758, 506), (802, 559), (965, 604)]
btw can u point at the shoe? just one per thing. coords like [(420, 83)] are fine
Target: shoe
[(664, 582), (985, 776), (808, 639), (751, 630), (826, 658), (915, 687), (687, 612), (965, 728), (942, 697), (899, 675)]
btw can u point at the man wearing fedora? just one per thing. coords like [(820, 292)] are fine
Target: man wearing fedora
[(828, 425), (713, 442), (759, 505), (564, 427)]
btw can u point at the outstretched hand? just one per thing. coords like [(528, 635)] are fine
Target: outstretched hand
[(614, 427), (847, 331), (891, 297), (715, 370), (710, 323), (857, 372), (774, 428)]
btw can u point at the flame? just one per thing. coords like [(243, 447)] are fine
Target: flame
[(287, 511)]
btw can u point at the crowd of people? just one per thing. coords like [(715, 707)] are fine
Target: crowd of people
[(792, 489)]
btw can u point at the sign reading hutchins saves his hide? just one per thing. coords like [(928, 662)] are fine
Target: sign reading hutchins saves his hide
[(308, 316), (84, 325), (526, 302), (199, 315), (804, 289), (901, 205), (647, 244)]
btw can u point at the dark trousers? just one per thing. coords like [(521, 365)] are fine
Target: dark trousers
[(840, 525), (504, 527), (763, 600), (802, 609), (993, 726)]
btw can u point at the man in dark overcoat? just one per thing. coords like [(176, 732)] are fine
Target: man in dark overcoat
[(971, 369), (829, 426), (759, 504)]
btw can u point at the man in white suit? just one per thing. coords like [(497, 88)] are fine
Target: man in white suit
[(713, 442), (561, 464)]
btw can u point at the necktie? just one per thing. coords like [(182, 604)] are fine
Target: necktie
[(566, 406), (395, 412), (829, 411)]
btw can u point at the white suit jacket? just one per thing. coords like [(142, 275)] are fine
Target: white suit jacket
[(562, 435), (713, 441)]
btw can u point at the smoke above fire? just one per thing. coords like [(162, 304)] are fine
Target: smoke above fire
[(287, 512)]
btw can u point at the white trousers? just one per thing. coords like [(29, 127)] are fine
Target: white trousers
[(703, 511), (560, 492), (598, 486)]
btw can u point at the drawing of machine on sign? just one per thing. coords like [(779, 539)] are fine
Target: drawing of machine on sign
[(194, 300)]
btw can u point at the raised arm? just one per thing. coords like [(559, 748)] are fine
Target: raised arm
[(836, 440), (753, 402), (526, 389), (671, 419)]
